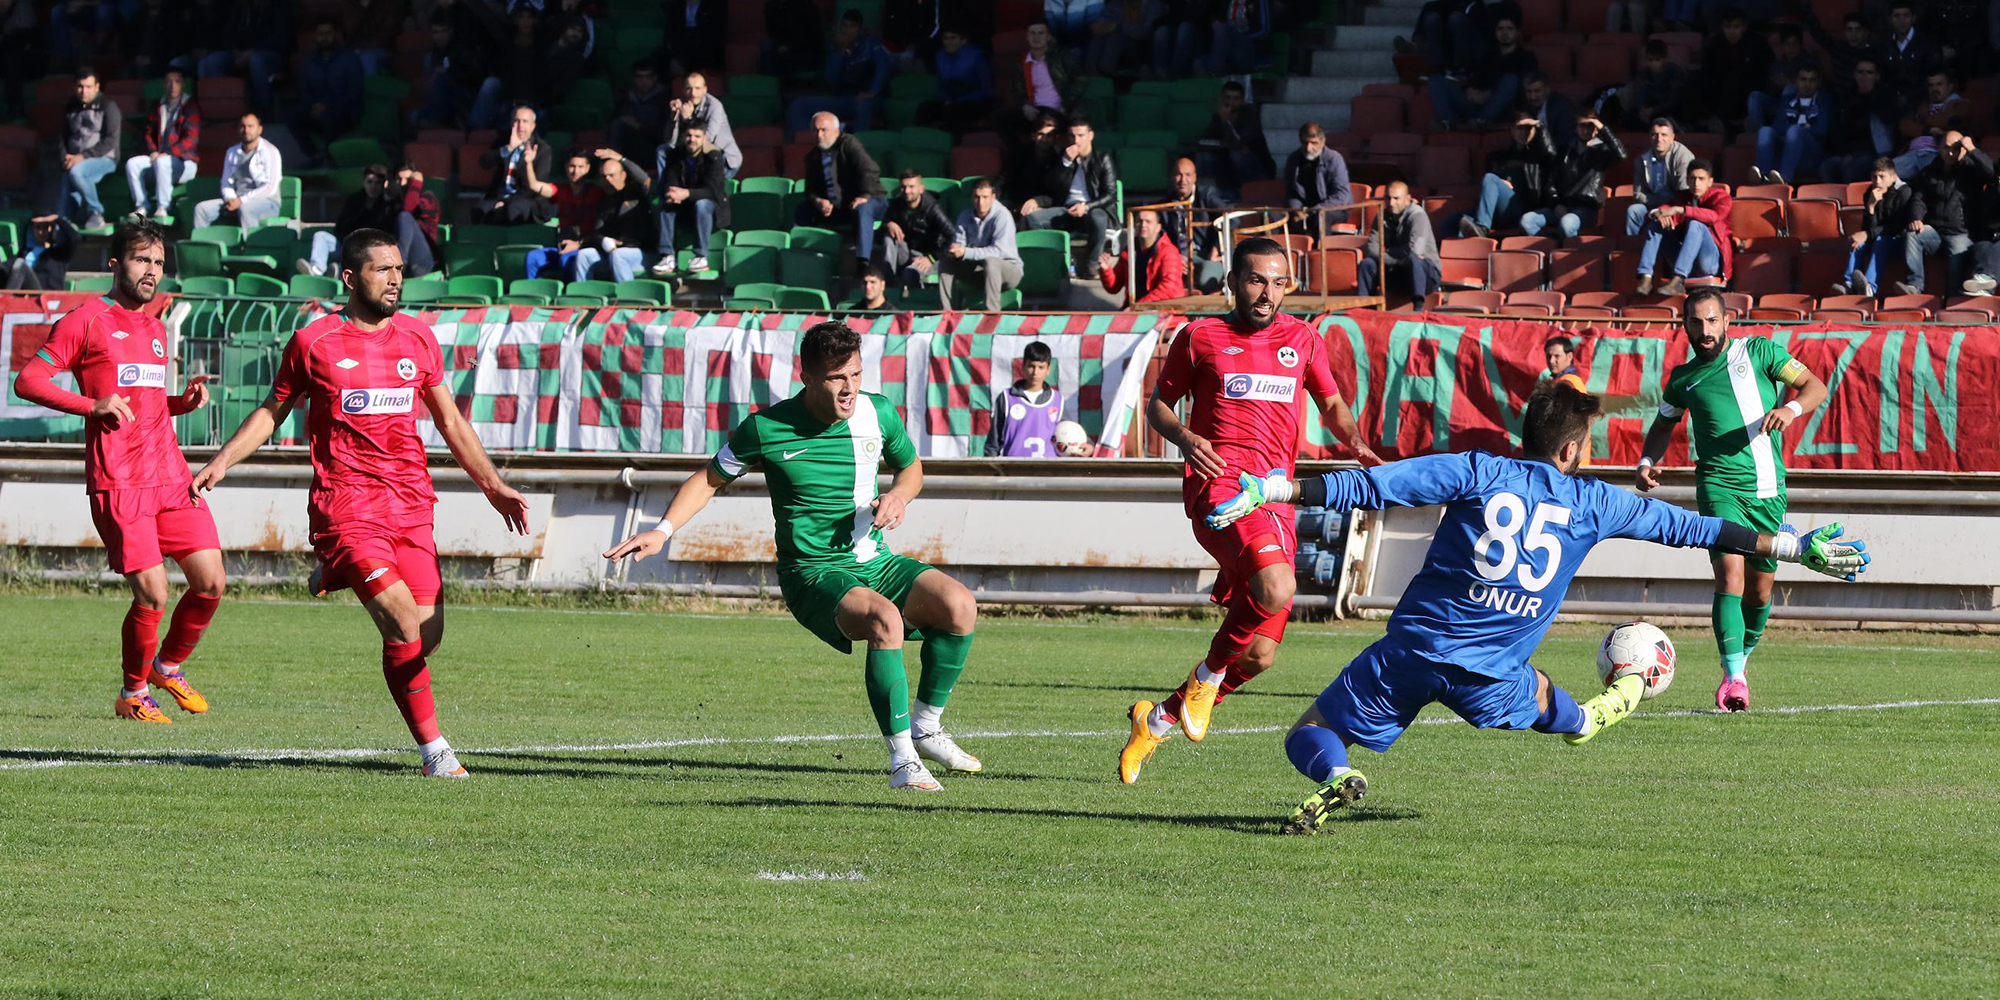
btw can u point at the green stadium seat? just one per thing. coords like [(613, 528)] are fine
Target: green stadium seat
[(228, 236), (918, 86), (89, 283), (791, 297), (752, 85), (748, 264), (923, 161), (598, 289), (814, 238), (777, 238), (510, 260), (429, 288), (805, 269), (766, 290), (592, 301), (207, 284), (521, 300), (936, 140), (1146, 169), (1153, 88), (1147, 137), (246, 366), (260, 286), (739, 303), (1044, 261), (197, 258), (646, 291), (354, 152), (547, 288), (312, 286), (494, 235), (291, 194), (484, 287), (755, 209)]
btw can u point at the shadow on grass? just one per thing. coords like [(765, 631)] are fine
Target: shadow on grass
[(772, 767), (1134, 690), (1270, 824)]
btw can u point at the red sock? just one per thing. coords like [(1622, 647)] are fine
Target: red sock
[(1239, 674), (191, 616), (1239, 626), (140, 635), (410, 684)]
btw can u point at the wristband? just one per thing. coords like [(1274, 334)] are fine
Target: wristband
[(1645, 462), (1785, 547), (665, 527), (1282, 491), (1797, 410)]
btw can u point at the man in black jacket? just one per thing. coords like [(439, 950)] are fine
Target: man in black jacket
[(45, 254), (1579, 180), (843, 185), (1519, 179), (691, 179), (1233, 147), (1205, 205), (91, 123), (1079, 193), (522, 166), (915, 231), (1889, 208), (372, 207), (1943, 190), (1492, 79), (1864, 124), (1982, 220)]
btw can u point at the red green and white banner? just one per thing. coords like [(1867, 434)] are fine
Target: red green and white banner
[(25, 323), (1906, 397)]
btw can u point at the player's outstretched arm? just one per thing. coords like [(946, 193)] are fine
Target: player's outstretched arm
[(695, 493), (471, 455), (1339, 418), (1821, 550), (1658, 437), (1411, 482), (250, 436)]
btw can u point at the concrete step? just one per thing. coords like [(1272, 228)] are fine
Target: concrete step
[(1403, 18), (1367, 38), (1322, 89), (1376, 64)]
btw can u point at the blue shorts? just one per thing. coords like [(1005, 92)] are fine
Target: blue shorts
[(1381, 692)]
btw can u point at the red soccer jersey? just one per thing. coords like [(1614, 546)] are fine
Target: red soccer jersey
[(1247, 395), (112, 349), (365, 389)]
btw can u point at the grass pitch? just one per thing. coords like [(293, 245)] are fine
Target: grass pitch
[(1815, 847)]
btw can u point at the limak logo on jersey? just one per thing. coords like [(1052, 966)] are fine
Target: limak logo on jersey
[(1274, 388), (143, 376), (359, 401)]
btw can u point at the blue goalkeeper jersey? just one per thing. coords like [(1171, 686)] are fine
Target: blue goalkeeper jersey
[(1513, 534)]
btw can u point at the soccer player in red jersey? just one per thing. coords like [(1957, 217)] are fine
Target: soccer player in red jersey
[(1247, 373), (137, 479), (363, 372)]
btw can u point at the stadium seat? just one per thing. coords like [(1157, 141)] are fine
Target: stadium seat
[(1514, 271), (1925, 304), (1756, 219), (1964, 317), (1839, 316), (1762, 313), (599, 289), (1599, 64), (1775, 192), (1858, 303), (429, 288), (522, 299), (1762, 273), (228, 236), (1572, 271), (1445, 165), (1463, 261), (805, 268), (482, 287), (1044, 261), (1836, 193), (1900, 316), (208, 285), (578, 301), (795, 297), (1736, 304), (547, 288), (1375, 114), (510, 260), (1589, 312), (1606, 300), (1539, 244), (1793, 301), (748, 264), (1651, 312), (1472, 300), (197, 258), (1545, 303), (312, 286), (1813, 220)]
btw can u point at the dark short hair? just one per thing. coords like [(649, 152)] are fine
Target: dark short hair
[(984, 182), (1037, 351), (1562, 342), (1807, 68), (828, 345), (85, 73), (1789, 33), (1703, 294), (1882, 163), (1702, 165), (1870, 60), (1507, 19), (133, 235), (1235, 85), (375, 170), (354, 249), (1854, 17), (1904, 4), (1663, 120), (875, 271), (1556, 415), (647, 65), (1255, 246), (1732, 14), (1080, 119), (1541, 78), (408, 164), (909, 172), (852, 15), (1311, 130), (1656, 49)]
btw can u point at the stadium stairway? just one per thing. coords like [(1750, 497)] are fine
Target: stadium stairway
[(1351, 57)]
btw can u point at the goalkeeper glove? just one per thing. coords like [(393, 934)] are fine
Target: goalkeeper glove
[(1255, 492), (1821, 551)]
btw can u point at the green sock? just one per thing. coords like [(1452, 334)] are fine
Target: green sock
[(888, 690), (1754, 617), (944, 659), (1727, 612)]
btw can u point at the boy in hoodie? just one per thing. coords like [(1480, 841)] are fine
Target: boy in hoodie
[(1888, 207), (1701, 215)]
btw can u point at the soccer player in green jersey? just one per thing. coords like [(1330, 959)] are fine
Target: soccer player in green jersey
[(1732, 390), (819, 452)]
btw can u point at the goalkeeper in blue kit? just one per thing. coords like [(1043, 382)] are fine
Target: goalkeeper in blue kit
[(1514, 532)]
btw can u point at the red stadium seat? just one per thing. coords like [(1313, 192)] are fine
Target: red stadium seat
[(1756, 219), (17, 169), (1606, 300), (1763, 273), (1556, 58), (969, 161), (1901, 316), (1840, 316), (1922, 303), (1855, 189), (1376, 113), (1601, 65), (1472, 301), (1514, 271), (1813, 220), (1823, 267), (1776, 314), (1549, 303), (1539, 244), (1775, 192), (1574, 271), (1859, 303), (1438, 166), (1463, 261), (1737, 304), (471, 175), (1836, 193), (434, 159), (1590, 312), (1264, 194), (754, 136), (762, 161), (1651, 312), (1335, 269)]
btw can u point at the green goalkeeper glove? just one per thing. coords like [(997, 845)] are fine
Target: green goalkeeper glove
[(1822, 551), (1256, 492)]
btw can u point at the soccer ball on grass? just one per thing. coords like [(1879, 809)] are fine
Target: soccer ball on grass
[(1637, 648)]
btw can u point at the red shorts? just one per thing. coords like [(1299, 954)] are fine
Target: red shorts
[(142, 527), (371, 558), (1267, 537)]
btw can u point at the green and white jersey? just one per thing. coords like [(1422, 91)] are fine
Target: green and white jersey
[(1728, 396), (821, 477)]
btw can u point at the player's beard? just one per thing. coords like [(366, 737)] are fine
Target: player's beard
[(137, 292), (381, 305), (1250, 321)]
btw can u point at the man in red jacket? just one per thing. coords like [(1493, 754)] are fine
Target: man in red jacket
[(1701, 213), (1162, 274), (173, 131)]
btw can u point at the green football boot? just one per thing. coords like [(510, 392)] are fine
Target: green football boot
[(1343, 790), (1617, 702)]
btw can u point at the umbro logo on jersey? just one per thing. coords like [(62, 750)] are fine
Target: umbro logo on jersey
[(372, 577), (361, 401), (346, 364), (1232, 350), (1288, 357), (1267, 548), (788, 456), (1272, 388), (143, 376), (119, 335)]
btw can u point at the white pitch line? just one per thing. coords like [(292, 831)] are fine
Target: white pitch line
[(814, 876), (130, 757)]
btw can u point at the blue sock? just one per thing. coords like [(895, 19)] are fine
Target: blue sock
[(1563, 714), (1316, 751)]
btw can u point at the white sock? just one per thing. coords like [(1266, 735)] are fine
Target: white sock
[(1205, 675), (1337, 772), (140, 693), (901, 750), (433, 748), (1156, 722), (924, 718), (164, 667)]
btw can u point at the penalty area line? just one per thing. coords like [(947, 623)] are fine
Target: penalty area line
[(119, 758)]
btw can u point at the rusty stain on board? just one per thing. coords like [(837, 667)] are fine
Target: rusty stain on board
[(715, 544)]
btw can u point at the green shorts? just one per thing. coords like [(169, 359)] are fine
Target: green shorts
[(813, 591), (1758, 515)]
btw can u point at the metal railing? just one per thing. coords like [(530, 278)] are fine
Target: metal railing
[(1299, 229)]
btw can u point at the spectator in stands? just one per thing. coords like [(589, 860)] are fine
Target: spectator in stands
[(1846, 52), (1658, 175), (567, 58), (857, 75), (697, 31), (984, 249), (1658, 90), (1238, 31), (372, 27), (44, 263), (1025, 414), (577, 201), (251, 172), (1907, 58), (1177, 37), (843, 185), (794, 38), (173, 132), (697, 106), (519, 161), (1518, 179), (91, 125), (1233, 148), (1982, 220), (1560, 354), (1863, 124), (1158, 271), (464, 90), (522, 69), (1491, 82), (625, 222), (874, 295), (417, 222), (1020, 168), (1316, 177), (1051, 81), (1070, 20), (1541, 102), (691, 179), (1121, 38), (965, 86), (1734, 62), (1405, 250), (915, 232), (1700, 215), (1580, 169), (329, 101), (914, 29), (640, 118), (1802, 119), (372, 207), (1078, 194), (1204, 204), (1943, 190), (257, 30), (156, 33), (1889, 208), (1943, 111), (1449, 33), (1780, 78)]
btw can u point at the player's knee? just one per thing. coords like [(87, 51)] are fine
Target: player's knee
[(881, 621), (405, 626), (150, 593), (210, 587), (1273, 590), (431, 643), (1258, 658), (963, 610)]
